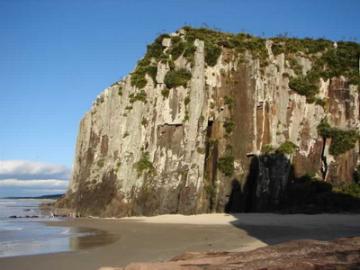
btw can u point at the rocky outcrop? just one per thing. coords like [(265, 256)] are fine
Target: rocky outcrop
[(179, 134), (342, 253)]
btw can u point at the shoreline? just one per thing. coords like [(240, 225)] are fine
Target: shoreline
[(159, 238)]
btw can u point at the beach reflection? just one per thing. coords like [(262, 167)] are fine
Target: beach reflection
[(85, 238)]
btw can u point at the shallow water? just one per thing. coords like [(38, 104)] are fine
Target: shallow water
[(29, 236)]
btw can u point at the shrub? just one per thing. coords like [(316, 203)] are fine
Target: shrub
[(352, 189), (267, 148), (294, 64), (152, 71), (140, 96), (165, 93), (303, 86), (155, 49), (100, 163), (138, 76), (229, 101), (144, 122), (144, 164), (277, 49), (180, 47), (187, 100), (341, 140), (321, 102), (138, 79), (175, 40), (174, 78), (145, 65), (212, 53), (120, 93), (229, 126), (226, 165), (177, 49), (210, 190), (186, 117), (324, 128), (287, 147), (189, 52), (356, 175)]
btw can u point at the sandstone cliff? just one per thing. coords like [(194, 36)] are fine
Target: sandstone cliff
[(211, 121)]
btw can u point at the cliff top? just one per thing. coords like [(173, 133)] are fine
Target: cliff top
[(329, 59)]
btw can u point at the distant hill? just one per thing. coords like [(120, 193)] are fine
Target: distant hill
[(53, 196)]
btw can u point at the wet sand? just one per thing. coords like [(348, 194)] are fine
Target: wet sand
[(122, 241)]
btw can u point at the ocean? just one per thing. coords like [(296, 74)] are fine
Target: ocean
[(30, 236)]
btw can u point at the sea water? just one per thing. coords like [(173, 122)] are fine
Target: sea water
[(29, 236)]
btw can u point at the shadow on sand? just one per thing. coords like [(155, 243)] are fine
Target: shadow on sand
[(272, 188)]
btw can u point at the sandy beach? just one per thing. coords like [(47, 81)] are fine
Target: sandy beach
[(121, 241)]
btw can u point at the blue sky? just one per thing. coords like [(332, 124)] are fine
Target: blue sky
[(56, 56)]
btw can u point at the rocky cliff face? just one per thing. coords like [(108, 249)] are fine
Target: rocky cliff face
[(206, 114)]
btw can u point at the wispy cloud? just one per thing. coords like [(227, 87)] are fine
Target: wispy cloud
[(22, 169), (19, 177)]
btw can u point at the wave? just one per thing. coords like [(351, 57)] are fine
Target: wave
[(10, 228), (66, 231)]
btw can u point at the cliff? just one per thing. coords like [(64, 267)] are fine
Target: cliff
[(212, 121)]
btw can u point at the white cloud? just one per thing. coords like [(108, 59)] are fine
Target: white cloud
[(22, 169), (42, 183), (21, 177)]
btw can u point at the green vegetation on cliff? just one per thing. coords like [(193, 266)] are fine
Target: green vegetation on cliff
[(229, 101), (306, 86), (144, 164), (287, 147), (341, 140), (328, 61), (215, 41), (226, 165), (289, 45), (352, 189), (147, 65), (267, 149), (356, 175), (139, 96), (229, 125), (180, 47), (175, 78)]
